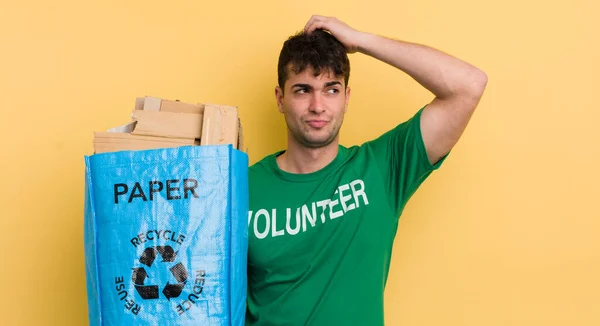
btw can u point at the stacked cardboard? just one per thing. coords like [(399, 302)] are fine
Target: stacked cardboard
[(161, 123)]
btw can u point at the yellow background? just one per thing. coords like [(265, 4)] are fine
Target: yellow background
[(506, 233)]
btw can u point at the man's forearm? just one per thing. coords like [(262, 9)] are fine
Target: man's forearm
[(442, 74)]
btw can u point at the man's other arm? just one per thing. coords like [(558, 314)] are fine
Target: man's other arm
[(457, 86)]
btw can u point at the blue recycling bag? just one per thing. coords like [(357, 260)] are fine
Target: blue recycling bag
[(165, 234)]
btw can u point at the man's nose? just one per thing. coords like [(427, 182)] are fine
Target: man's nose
[(317, 105)]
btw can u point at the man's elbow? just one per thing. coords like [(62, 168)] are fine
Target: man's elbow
[(477, 83), (472, 91)]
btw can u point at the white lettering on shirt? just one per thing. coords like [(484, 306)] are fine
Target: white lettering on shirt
[(274, 224), (288, 226), (257, 233), (347, 197)]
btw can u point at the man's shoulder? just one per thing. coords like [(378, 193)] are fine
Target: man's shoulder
[(263, 165), (259, 165), (396, 133)]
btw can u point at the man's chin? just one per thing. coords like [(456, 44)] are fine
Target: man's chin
[(315, 139), (317, 142)]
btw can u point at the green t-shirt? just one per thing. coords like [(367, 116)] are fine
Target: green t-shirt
[(320, 243)]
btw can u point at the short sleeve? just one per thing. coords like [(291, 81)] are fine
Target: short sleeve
[(401, 156)]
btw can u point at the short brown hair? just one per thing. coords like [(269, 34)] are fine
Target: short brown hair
[(318, 50)]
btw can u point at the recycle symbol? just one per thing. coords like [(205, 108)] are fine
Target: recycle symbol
[(171, 290)]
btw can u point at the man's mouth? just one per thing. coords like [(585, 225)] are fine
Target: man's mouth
[(317, 123)]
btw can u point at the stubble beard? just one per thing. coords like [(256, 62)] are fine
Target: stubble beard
[(305, 140)]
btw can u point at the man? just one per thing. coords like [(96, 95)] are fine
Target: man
[(323, 216)]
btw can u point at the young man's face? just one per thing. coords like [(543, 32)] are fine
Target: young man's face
[(313, 107)]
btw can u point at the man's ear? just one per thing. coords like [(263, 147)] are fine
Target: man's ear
[(347, 98), (279, 98)]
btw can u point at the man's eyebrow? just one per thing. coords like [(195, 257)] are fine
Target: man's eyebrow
[(331, 83), (307, 86)]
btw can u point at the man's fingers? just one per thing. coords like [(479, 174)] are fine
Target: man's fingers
[(308, 23), (312, 19), (307, 28), (315, 22), (316, 25), (312, 27)]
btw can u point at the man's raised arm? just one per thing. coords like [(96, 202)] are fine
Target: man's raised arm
[(457, 85)]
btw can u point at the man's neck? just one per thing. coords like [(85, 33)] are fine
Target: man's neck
[(300, 159)]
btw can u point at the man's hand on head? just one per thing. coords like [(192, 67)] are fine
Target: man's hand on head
[(347, 35)]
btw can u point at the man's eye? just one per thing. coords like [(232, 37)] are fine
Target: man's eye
[(333, 91), (302, 90)]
